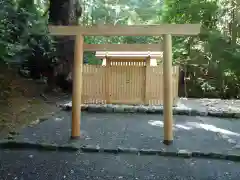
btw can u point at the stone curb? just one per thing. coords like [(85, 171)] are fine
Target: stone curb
[(95, 149), (110, 108), (37, 146)]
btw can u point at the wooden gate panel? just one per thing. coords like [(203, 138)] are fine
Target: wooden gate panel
[(126, 84)]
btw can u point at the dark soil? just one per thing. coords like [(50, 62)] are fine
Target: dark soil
[(23, 101)]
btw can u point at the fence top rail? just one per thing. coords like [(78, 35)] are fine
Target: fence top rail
[(131, 54), (123, 47), (124, 30)]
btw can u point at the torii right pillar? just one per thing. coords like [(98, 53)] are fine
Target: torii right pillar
[(167, 89)]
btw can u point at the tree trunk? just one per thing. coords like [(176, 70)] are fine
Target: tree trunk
[(64, 12)]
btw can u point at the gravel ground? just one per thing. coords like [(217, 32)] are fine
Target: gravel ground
[(127, 130), (33, 165), (212, 104)]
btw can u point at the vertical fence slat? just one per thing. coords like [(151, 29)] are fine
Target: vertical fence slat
[(146, 83), (107, 82)]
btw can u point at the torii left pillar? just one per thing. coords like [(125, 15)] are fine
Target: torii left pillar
[(77, 86)]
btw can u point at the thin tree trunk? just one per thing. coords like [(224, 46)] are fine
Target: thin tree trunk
[(185, 81)]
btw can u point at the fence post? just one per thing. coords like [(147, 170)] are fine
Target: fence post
[(146, 95), (107, 84), (167, 89), (77, 86)]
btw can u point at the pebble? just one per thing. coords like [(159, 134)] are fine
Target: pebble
[(13, 133), (58, 119), (183, 151), (237, 146), (232, 141)]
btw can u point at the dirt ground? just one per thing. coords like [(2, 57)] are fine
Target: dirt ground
[(22, 101)]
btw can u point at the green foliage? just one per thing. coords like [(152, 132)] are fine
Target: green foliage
[(210, 59), (20, 24)]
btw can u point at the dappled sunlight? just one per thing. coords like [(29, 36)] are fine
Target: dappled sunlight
[(180, 126), (209, 127), (155, 123), (58, 119), (196, 125)]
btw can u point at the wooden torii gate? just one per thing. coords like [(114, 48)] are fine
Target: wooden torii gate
[(167, 30)]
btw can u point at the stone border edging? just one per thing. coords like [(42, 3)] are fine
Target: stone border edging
[(95, 149), (110, 108)]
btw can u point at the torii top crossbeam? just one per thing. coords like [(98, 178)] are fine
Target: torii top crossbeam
[(124, 30)]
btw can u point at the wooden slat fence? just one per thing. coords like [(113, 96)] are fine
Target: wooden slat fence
[(125, 83)]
